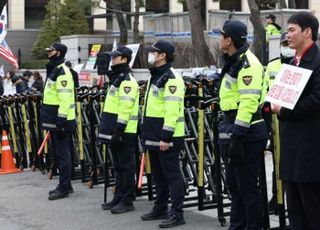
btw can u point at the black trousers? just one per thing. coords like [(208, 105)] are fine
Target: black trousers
[(123, 159), (303, 201), (242, 179), (165, 167), (62, 144)]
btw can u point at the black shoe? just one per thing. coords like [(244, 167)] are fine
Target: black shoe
[(70, 190), (172, 221), (154, 216), (122, 208), (58, 195), (109, 205)]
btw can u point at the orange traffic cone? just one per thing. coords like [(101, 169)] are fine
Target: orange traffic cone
[(7, 163)]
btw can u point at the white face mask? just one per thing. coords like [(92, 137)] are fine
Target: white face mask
[(151, 58), (287, 52)]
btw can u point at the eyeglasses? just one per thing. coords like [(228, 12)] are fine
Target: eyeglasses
[(49, 51)]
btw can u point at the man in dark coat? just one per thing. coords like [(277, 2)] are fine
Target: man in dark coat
[(300, 148)]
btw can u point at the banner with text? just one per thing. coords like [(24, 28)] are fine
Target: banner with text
[(288, 86)]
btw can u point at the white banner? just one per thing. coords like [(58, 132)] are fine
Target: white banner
[(288, 86)]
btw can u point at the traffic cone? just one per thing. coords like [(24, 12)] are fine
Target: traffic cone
[(7, 163)]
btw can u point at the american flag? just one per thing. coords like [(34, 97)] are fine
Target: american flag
[(6, 53)]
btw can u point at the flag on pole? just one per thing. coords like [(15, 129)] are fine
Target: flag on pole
[(3, 23), (7, 54), (5, 50)]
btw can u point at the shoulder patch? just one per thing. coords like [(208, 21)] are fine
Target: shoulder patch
[(172, 89), (247, 80), (64, 83), (127, 89)]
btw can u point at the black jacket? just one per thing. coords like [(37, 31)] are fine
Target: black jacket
[(38, 85), (300, 127)]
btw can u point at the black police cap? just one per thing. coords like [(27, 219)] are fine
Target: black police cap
[(283, 37), (234, 29), (121, 51), (59, 47), (271, 16), (161, 46)]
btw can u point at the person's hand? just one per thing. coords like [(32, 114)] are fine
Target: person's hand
[(276, 108), (116, 138), (235, 150), (164, 146)]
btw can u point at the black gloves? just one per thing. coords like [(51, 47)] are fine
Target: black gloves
[(236, 150), (116, 138), (60, 124)]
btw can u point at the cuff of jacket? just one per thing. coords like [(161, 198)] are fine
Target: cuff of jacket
[(239, 132), (284, 112), (166, 136), (120, 127)]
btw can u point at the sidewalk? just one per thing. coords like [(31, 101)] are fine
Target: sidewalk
[(24, 205)]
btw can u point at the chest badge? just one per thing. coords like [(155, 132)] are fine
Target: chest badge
[(64, 83), (247, 80), (127, 89), (172, 89)]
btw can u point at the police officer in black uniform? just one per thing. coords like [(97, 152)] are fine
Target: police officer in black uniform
[(118, 127), (163, 133), (58, 115), (243, 130)]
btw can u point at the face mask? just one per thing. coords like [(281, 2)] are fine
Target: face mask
[(55, 58), (151, 58), (287, 52)]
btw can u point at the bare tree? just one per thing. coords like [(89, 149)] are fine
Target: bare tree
[(136, 22), (116, 5), (259, 34), (283, 4), (200, 48), (292, 4)]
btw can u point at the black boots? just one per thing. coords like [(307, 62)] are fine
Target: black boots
[(172, 221), (122, 208), (153, 215)]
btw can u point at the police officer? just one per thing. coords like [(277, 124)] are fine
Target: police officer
[(163, 133), (58, 115), (272, 27), (273, 67), (118, 128), (243, 130)]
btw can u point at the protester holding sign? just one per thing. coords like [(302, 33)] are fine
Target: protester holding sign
[(300, 149), (273, 67)]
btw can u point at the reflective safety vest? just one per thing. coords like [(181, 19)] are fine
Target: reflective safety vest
[(272, 70), (58, 100), (271, 30), (120, 110), (245, 92), (163, 115)]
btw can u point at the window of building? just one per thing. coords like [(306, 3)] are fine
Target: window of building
[(34, 13)]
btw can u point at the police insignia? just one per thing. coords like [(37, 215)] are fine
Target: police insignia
[(247, 80), (127, 89), (64, 83), (172, 89)]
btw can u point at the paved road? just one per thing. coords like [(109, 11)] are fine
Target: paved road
[(24, 205)]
